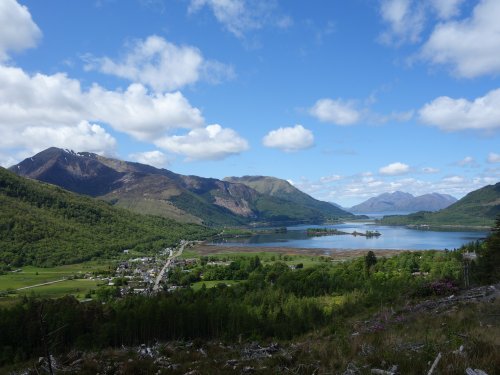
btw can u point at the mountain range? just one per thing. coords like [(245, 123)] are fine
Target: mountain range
[(478, 208), (146, 189), (404, 202)]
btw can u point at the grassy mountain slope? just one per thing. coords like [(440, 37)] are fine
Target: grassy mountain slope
[(42, 224), (285, 191), (478, 208), (148, 190)]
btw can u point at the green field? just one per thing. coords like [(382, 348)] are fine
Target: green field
[(29, 276), (77, 288)]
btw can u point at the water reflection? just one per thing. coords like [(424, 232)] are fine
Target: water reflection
[(391, 238)]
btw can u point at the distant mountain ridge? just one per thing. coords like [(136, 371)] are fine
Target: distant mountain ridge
[(146, 189), (400, 201), (478, 208)]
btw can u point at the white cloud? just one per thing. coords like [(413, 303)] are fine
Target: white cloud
[(241, 16), (211, 143), (469, 46), (405, 21), (468, 161), (329, 179), (155, 158), (460, 114), (430, 170), (56, 109), (395, 169), (453, 180), (162, 65), (140, 114), (84, 137), (53, 100), (351, 190), (10, 158), (446, 9), (18, 31), (493, 158), (38, 111), (289, 139), (338, 111)]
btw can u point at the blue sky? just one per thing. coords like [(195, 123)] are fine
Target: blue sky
[(345, 99)]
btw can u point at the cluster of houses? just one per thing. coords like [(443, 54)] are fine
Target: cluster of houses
[(139, 275)]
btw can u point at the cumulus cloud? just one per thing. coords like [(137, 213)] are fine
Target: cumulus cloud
[(395, 169), (493, 158), (405, 21), (337, 112), (56, 100), (241, 16), (162, 65), (47, 110), (459, 114), (18, 31), (446, 9), (84, 136), (289, 139), (155, 158), (140, 114), (469, 46), (211, 143)]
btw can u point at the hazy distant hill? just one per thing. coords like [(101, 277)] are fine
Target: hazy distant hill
[(400, 201), (478, 208), (42, 224), (145, 189)]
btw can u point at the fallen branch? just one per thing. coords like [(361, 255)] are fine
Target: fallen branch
[(434, 365)]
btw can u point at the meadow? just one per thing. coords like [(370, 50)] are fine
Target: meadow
[(26, 281)]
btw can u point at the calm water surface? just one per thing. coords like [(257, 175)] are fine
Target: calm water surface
[(391, 238)]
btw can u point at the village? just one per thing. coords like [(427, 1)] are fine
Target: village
[(146, 275)]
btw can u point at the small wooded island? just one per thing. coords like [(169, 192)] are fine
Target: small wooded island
[(317, 232)]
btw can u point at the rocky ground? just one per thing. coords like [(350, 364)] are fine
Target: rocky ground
[(386, 343)]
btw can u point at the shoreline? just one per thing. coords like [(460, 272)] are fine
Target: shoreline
[(335, 253)]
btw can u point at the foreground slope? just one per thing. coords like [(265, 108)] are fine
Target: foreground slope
[(42, 224), (145, 189), (478, 208), (400, 201)]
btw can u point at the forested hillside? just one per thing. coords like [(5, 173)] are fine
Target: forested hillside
[(41, 224)]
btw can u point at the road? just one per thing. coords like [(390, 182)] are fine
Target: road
[(165, 268), (42, 284)]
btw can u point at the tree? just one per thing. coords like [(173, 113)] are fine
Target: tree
[(489, 257), (370, 260)]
